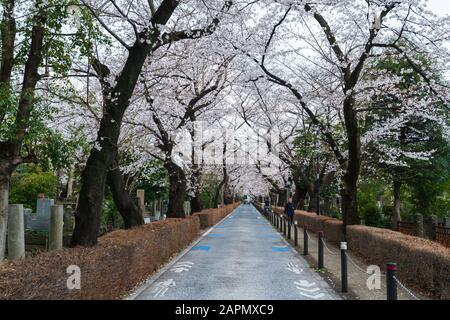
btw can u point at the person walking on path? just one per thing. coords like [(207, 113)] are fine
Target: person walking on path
[(289, 210), (266, 205)]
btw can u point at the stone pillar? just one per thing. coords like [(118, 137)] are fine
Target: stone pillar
[(16, 232), (68, 219), (55, 235), (153, 206), (140, 194), (433, 223), (157, 208), (27, 216), (187, 208), (418, 219)]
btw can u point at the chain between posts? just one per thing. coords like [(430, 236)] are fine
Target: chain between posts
[(358, 267), (405, 288), (329, 250)]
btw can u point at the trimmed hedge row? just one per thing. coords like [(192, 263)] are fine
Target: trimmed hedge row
[(331, 227), (210, 217), (421, 263), (122, 260)]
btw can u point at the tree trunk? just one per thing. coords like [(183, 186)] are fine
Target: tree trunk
[(8, 37), (227, 193), (4, 192), (218, 193), (397, 203), (70, 181), (326, 206), (313, 197), (196, 204), (92, 193), (282, 199), (90, 202), (130, 211), (349, 204), (60, 193), (349, 194), (177, 191), (10, 150), (300, 194)]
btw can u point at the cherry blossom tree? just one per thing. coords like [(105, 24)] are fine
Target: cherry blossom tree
[(150, 30), (327, 47)]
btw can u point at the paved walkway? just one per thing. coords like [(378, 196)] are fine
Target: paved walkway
[(242, 257)]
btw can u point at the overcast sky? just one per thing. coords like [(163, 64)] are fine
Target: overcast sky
[(441, 7)]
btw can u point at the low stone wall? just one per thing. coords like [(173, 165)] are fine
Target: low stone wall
[(421, 263), (210, 217)]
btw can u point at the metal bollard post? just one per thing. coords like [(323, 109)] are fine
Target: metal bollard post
[(320, 249), (289, 230), (344, 273), (391, 284), (295, 234), (305, 241)]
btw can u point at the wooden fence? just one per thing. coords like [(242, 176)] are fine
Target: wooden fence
[(439, 234)]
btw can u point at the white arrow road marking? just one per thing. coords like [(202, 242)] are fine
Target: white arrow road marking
[(182, 266), (162, 287), (309, 290), (294, 268), (179, 269), (315, 297), (305, 283)]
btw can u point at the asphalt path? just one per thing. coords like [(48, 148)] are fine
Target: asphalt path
[(243, 257)]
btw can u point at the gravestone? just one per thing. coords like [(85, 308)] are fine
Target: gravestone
[(187, 208), (16, 233), (42, 219), (27, 216), (68, 219), (55, 236), (163, 206), (155, 211), (157, 206), (140, 194)]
